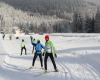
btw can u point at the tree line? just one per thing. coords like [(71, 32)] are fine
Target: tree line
[(87, 24), (78, 25), (60, 8)]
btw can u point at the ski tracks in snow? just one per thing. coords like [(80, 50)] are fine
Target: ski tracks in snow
[(64, 69), (76, 71), (79, 71), (93, 72)]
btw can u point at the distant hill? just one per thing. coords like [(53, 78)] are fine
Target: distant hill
[(46, 15), (61, 8)]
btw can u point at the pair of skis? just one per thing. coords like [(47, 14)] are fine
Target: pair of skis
[(32, 68), (45, 72), (29, 69), (49, 72)]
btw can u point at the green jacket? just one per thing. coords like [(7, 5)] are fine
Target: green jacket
[(34, 41), (22, 44), (3, 35), (49, 47)]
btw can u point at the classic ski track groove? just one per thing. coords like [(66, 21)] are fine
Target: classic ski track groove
[(94, 71), (69, 71), (91, 71), (71, 77), (64, 69)]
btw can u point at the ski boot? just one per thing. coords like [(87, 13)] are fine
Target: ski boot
[(56, 70), (32, 67), (45, 72)]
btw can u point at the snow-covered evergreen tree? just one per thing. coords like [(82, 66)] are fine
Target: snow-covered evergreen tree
[(97, 22), (77, 22), (87, 28)]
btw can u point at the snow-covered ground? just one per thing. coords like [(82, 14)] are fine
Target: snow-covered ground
[(78, 54)]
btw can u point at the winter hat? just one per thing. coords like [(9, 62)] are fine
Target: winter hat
[(47, 37), (22, 39), (39, 39)]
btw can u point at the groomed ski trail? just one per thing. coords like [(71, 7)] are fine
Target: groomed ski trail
[(78, 69)]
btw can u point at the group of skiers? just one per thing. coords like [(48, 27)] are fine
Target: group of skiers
[(48, 52), (3, 36), (37, 47)]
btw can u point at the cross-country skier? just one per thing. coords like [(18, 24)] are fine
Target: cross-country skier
[(34, 41), (49, 47), (38, 47), (3, 36), (10, 37), (23, 47)]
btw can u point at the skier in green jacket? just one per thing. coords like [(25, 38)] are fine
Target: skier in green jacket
[(34, 41), (23, 47), (49, 53), (3, 36)]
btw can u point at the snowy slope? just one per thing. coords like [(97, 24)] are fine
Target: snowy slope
[(79, 54)]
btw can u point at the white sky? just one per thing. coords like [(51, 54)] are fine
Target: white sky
[(95, 1)]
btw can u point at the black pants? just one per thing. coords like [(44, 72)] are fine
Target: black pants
[(3, 37), (33, 49), (22, 50), (35, 56), (52, 59)]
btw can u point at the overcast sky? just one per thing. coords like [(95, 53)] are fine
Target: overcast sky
[(95, 1)]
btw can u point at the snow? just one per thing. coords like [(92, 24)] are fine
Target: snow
[(78, 54)]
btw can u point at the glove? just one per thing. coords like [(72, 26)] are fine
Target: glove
[(55, 55), (31, 37), (43, 54)]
